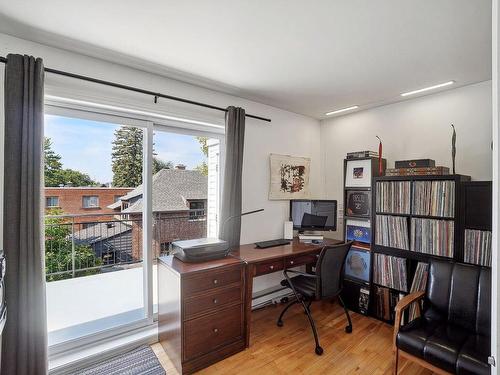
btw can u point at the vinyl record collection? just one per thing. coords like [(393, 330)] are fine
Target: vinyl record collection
[(432, 236), (392, 231), (477, 247), (418, 284), (385, 302), (390, 271), (393, 197), (434, 198)]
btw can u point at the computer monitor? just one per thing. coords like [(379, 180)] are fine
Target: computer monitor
[(313, 214)]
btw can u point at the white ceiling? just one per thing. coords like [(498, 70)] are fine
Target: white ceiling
[(309, 57)]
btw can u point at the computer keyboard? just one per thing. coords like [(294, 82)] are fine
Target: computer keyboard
[(271, 243)]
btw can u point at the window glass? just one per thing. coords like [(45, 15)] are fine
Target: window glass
[(90, 201)]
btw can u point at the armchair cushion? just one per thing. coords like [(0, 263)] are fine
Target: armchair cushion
[(473, 358), (443, 346), (412, 337)]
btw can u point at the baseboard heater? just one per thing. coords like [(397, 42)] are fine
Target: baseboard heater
[(270, 296)]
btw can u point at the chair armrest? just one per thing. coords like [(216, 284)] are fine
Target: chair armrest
[(401, 306)]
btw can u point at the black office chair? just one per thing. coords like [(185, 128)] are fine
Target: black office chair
[(325, 283)]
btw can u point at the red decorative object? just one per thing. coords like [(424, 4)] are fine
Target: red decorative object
[(380, 168)]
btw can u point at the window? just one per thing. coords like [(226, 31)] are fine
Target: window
[(197, 210), (116, 198), (52, 201), (90, 201)]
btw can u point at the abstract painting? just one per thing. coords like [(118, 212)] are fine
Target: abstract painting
[(289, 177)]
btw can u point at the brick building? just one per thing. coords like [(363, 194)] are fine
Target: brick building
[(179, 209), (84, 201)]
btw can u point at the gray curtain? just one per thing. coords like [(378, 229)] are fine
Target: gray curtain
[(24, 346), (231, 188)]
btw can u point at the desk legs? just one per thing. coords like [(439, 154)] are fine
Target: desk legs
[(250, 272)]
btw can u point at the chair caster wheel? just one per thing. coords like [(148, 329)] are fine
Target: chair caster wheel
[(348, 329), (279, 323), (319, 350)]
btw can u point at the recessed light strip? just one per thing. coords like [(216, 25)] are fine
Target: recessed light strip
[(341, 110), (428, 88)]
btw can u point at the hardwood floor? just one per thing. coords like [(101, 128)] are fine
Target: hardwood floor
[(290, 349)]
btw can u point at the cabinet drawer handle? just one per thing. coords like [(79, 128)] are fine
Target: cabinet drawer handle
[(216, 281), (216, 330), (271, 267), (215, 300), (291, 262)]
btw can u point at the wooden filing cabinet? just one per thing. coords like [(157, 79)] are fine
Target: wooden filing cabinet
[(201, 309)]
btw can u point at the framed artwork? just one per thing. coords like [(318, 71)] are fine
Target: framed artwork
[(289, 177), (358, 203), (358, 173), (358, 230), (357, 264)]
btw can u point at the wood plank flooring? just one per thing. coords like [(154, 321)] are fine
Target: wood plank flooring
[(290, 349)]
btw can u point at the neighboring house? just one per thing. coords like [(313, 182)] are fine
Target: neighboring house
[(84, 201), (179, 207), (111, 241)]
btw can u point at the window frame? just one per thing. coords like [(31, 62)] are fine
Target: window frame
[(89, 198), (52, 197), (149, 124)]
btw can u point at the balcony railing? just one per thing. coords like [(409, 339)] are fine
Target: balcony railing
[(88, 244)]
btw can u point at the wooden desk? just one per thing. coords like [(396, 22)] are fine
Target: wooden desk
[(263, 261)]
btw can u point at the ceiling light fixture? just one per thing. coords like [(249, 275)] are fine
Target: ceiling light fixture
[(341, 110), (428, 88)]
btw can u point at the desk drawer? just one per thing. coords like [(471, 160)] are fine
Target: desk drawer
[(268, 267), (211, 280), (207, 333), (219, 297), (300, 260)]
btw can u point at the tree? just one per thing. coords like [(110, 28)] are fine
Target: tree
[(127, 157), (52, 165), (203, 167), (159, 164), (54, 173), (58, 251)]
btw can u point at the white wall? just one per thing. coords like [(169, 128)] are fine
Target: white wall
[(288, 133), (417, 128)]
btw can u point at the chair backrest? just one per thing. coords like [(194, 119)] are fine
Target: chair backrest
[(329, 268), (460, 294)]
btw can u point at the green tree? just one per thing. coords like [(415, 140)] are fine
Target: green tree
[(53, 165), (126, 157), (54, 173), (203, 166), (159, 164), (58, 251)]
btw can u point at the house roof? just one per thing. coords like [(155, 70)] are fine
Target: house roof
[(171, 189), (100, 232)]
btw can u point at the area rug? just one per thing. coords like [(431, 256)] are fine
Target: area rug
[(141, 361)]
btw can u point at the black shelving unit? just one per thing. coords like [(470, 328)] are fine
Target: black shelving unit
[(413, 257), (352, 287), (476, 206)]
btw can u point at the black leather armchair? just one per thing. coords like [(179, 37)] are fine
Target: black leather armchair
[(452, 334), (325, 283)]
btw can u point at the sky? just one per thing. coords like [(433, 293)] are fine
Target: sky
[(86, 146)]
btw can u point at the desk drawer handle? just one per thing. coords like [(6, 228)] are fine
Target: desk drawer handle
[(271, 267), (216, 281), (291, 262), (215, 300), (216, 330)]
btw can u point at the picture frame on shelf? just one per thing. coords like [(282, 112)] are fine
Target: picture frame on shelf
[(358, 203), (358, 173), (358, 264), (358, 230)]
